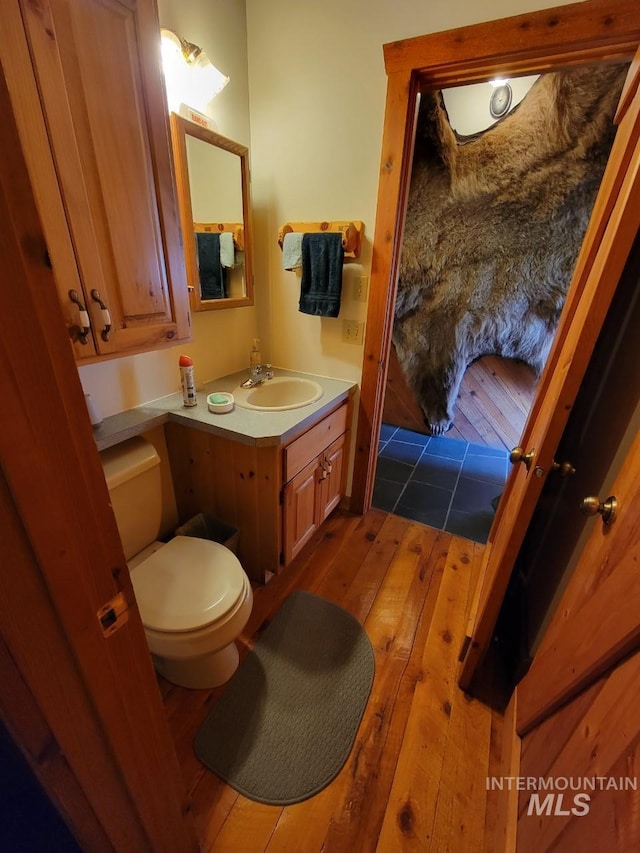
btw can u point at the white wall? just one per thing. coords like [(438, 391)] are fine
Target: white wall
[(222, 339), (317, 93)]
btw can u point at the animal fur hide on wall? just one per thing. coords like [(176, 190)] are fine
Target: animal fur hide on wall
[(493, 229)]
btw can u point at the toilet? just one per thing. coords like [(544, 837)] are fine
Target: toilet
[(193, 595)]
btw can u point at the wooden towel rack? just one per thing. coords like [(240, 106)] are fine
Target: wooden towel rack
[(236, 228), (351, 233)]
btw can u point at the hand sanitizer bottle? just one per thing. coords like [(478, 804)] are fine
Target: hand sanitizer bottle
[(255, 357)]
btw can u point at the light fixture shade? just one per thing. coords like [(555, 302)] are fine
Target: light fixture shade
[(206, 81), (175, 69), (190, 76)]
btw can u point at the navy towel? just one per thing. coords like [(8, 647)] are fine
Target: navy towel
[(213, 275), (321, 285)]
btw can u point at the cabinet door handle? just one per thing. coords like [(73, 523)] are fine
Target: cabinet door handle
[(85, 327), (106, 317), (326, 466)]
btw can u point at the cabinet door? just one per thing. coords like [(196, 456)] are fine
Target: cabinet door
[(97, 67), (331, 478), (300, 510)]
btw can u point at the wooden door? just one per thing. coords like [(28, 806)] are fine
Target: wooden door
[(608, 241), (96, 68), (605, 406), (598, 618), (81, 700), (577, 706)]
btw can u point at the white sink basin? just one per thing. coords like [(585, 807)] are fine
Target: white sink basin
[(278, 394)]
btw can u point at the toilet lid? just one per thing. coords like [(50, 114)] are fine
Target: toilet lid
[(187, 584)]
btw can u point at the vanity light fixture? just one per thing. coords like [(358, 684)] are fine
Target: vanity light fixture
[(190, 76)]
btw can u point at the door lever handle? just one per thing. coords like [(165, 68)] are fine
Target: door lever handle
[(607, 509)]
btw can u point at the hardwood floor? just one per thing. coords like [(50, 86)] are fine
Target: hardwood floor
[(491, 409), (416, 776)]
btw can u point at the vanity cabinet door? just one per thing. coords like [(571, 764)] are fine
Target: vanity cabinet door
[(300, 510), (316, 490), (95, 65), (333, 470)]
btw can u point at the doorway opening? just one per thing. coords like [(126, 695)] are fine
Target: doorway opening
[(497, 209)]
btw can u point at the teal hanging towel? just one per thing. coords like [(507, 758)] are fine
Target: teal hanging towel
[(213, 275), (321, 285)]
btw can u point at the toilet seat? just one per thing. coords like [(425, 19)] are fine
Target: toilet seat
[(187, 585)]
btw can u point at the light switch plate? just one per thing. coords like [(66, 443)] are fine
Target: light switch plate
[(352, 332), (361, 288)]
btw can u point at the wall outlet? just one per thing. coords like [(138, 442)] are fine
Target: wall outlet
[(361, 288), (352, 332)]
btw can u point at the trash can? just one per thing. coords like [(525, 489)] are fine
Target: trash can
[(204, 526)]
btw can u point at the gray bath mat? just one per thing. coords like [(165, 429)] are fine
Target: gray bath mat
[(286, 722)]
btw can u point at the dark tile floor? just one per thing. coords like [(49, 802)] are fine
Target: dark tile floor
[(439, 481)]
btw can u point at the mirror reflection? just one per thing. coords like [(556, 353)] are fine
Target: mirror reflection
[(213, 197)]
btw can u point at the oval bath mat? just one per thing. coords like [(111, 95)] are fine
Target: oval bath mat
[(286, 722)]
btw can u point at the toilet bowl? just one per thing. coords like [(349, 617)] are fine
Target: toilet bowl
[(194, 600), (193, 596)]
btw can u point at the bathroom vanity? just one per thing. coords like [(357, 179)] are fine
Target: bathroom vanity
[(275, 475)]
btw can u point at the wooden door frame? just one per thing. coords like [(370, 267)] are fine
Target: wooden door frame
[(83, 705), (532, 43)]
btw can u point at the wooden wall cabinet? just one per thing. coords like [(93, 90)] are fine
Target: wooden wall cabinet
[(277, 496), (85, 83)]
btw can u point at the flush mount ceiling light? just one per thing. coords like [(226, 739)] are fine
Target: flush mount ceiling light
[(500, 100), (190, 76)]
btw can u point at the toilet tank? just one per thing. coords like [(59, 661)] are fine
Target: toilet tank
[(132, 472)]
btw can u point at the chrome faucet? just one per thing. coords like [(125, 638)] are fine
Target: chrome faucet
[(259, 373)]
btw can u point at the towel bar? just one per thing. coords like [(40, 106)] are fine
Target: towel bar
[(351, 233), (236, 228)]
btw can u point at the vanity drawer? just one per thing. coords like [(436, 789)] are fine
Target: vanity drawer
[(304, 449)]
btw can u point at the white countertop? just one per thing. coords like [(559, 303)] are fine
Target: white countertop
[(246, 426)]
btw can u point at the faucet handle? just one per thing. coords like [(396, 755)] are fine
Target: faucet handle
[(268, 371)]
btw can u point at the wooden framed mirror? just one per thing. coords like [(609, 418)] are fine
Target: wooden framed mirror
[(212, 177)]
